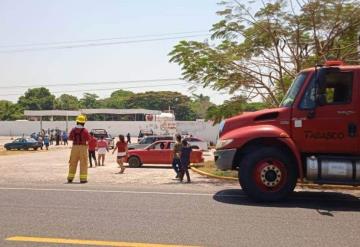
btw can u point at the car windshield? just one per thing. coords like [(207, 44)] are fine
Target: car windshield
[(147, 140), (293, 90)]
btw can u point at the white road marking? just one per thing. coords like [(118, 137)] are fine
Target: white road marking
[(122, 192), (215, 194)]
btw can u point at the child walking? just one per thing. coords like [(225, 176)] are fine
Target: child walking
[(46, 142), (185, 161), (122, 151), (102, 148)]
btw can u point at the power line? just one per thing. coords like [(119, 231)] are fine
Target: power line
[(103, 39), (107, 89), (98, 44), (90, 83)]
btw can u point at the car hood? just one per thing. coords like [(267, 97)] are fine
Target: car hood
[(138, 145)]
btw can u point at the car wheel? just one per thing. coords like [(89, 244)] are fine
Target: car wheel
[(35, 149), (267, 174), (134, 162), (8, 149)]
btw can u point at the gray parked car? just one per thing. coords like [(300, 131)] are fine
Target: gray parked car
[(147, 140)]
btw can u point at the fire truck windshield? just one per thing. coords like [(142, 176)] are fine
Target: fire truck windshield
[(293, 90)]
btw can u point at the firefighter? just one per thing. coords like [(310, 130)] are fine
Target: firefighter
[(79, 135)]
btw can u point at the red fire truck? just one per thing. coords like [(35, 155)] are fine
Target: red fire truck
[(313, 136)]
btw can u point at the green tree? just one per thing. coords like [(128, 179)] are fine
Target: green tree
[(10, 111), (89, 101), (227, 109), (163, 100), (256, 53), (37, 99), (117, 99), (67, 102), (232, 107), (200, 105)]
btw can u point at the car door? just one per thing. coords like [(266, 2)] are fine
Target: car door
[(16, 144), (157, 153), (21, 144), (330, 126), (169, 152)]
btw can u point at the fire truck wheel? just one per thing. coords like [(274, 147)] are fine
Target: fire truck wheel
[(134, 162), (267, 174)]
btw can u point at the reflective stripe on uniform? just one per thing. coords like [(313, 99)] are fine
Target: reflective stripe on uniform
[(71, 175)]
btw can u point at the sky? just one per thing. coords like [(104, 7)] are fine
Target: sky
[(122, 65)]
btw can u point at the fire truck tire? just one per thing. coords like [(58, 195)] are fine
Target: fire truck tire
[(134, 162), (267, 174)]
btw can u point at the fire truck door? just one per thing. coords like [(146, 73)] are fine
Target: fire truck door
[(333, 125)]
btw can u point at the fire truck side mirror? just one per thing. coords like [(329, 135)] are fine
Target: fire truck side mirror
[(311, 114)]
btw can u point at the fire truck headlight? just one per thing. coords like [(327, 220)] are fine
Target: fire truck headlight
[(222, 143)]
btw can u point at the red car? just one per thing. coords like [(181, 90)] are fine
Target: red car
[(159, 152)]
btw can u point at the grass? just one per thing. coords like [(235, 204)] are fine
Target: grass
[(209, 167)]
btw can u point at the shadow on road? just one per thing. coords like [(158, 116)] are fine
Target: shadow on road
[(323, 202)]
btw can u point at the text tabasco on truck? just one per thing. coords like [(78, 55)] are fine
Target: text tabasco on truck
[(312, 136)]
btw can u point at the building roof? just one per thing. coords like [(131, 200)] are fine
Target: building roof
[(42, 113)]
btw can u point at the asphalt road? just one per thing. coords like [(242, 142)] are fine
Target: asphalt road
[(146, 207), (177, 216)]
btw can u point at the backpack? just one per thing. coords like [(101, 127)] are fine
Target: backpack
[(77, 137)]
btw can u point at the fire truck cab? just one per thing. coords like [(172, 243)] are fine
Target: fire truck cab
[(312, 136)]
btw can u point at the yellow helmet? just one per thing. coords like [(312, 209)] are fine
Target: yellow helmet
[(81, 118)]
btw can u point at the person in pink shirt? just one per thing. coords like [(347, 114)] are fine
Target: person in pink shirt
[(102, 148)]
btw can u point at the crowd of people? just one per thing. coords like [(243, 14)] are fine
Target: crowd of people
[(85, 146), (101, 147), (51, 137)]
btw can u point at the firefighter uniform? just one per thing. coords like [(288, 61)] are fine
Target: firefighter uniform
[(79, 135)]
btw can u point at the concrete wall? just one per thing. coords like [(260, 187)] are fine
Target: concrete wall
[(203, 130)]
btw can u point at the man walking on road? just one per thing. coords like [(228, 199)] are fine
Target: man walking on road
[(80, 136), (176, 155)]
